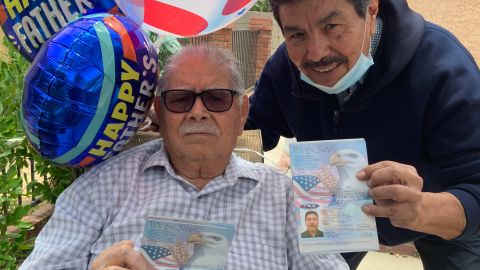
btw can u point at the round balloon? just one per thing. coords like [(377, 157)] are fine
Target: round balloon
[(28, 24), (89, 89), (184, 18)]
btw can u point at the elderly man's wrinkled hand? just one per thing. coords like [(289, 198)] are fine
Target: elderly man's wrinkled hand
[(120, 256), (397, 191)]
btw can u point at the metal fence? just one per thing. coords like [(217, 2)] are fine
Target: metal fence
[(244, 48), (194, 40)]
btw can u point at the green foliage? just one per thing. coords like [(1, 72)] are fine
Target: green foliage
[(261, 6), (16, 157), (12, 244), (165, 46)]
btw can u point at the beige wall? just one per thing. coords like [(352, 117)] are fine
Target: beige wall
[(461, 17)]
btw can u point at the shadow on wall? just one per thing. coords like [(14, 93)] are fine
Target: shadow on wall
[(459, 17)]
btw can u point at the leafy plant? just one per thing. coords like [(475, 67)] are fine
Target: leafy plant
[(165, 46), (261, 6), (16, 157), (13, 243)]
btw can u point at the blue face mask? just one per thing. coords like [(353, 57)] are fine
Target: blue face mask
[(353, 75)]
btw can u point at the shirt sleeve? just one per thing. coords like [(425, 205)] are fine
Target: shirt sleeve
[(65, 241), (306, 262), (469, 196), (451, 129)]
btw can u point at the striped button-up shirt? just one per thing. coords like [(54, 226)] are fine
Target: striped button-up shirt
[(110, 202)]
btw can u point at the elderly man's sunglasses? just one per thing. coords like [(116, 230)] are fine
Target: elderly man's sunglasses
[(214, 100)]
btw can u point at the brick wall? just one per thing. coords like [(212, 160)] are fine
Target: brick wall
[(264, 26), (221, 38), (261, 23)]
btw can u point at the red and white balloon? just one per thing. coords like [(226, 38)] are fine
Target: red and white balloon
[(184, 18)]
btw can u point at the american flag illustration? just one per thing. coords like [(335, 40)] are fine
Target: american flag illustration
[(160, 255), (321, 181), (307, 182), (307, 186)]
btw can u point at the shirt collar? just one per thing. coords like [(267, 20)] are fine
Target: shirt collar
[(377, 36)]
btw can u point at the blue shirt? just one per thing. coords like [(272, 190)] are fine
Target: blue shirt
[(110, 202)]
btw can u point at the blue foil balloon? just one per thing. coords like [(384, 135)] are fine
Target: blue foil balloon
[(89, 89), (29, 23)]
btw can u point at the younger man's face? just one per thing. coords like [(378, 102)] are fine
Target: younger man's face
[(324, 38), (311, 221)]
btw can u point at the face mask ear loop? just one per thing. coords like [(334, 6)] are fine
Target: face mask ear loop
[(364, 35)]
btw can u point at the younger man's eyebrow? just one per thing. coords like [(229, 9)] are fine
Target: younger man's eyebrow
[(290, 29), (330, 16)]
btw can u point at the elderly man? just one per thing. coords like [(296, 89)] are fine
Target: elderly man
[(190, 174), (375, 69)]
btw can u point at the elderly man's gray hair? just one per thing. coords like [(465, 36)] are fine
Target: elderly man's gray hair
[(221, 57)]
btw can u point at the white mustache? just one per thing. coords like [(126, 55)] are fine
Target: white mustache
[(208, 128)]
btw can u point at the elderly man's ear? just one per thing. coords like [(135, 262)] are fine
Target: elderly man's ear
[(151, 122), (245, 106), (155, 111)]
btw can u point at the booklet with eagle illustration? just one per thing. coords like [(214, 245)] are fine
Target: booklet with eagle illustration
[(329, 197), (171, 243)]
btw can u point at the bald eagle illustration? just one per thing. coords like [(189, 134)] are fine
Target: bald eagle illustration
[(348, 163), (208, 249)]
